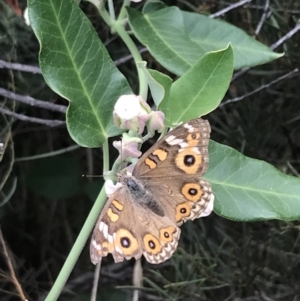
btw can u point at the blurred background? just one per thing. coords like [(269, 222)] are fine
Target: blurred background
[(44, 199)]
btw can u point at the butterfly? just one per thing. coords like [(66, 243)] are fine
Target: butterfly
[(164, 190)]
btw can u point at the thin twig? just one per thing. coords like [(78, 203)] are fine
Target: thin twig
[(239, 73), (20, 67), (37, 70), (7, 196), (275, 45), (137, 279), (36, 102), (11, 269), (128, 57), (284, 9), (49, 154), (48, 122), (228, 8), (263, 18), (287, 75), (286, 37), (96, 281), (32, 101)]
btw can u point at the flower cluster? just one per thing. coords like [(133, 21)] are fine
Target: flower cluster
[(131, 112)]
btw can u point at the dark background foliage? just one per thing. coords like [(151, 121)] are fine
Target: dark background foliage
[(217, 259)]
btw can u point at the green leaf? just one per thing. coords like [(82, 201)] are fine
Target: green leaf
[(76, 65), (250, 190), (201, 89), (159, 85), (178, 39), (152, 6)]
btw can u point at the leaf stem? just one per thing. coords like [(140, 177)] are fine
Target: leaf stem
[(119, 28), (117, 165), (105, 16), (105, 148), (111, 10), (122, 14)]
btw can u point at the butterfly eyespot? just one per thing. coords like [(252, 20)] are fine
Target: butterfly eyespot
[(166, 234), (192, 191), (125, 242), (183, 210), (193, 136), (151, 244), (189, 160)]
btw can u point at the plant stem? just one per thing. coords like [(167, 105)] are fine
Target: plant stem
[(143, 91), (105, 157), (119, 27), (111, 10), (77, 248), (105, 16), (82, 237), (122, 14)]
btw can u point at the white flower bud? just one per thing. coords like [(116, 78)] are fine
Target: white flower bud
[(128, 147), (156, 122), (131, 112)]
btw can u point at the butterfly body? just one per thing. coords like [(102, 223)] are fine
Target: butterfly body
[(140, 195), (164, 190)]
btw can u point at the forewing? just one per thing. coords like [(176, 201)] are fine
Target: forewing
[(183, 151)]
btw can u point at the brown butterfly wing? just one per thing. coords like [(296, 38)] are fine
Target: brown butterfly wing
[(127, 229), (113, 232), (170, 172), (184, 199), (182, 152), (172, 169)]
